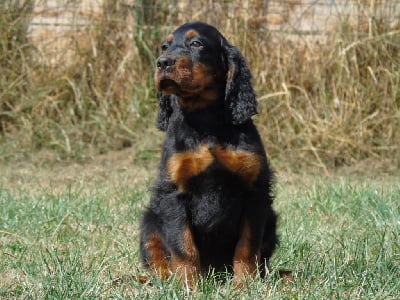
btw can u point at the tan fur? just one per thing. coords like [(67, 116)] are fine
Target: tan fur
[(158, 259), (182, 166), (191, 34), (244, 260), (246, 164)]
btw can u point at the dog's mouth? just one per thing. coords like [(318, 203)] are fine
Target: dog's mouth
[(168, 86), (167, 83)]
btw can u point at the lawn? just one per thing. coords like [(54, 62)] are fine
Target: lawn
[(339, 237), (78, 147)]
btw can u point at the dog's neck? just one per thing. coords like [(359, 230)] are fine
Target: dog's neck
[(208, 119)]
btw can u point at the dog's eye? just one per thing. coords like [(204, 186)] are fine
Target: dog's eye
[(196, 44), (164, 47)]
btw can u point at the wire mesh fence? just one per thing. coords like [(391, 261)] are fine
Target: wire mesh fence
[(58, 27)]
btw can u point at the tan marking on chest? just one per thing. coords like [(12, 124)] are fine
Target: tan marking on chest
[(184, 165), (243, 163)]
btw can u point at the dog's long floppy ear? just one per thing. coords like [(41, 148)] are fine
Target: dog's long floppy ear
[(240, 99), (164, 112)]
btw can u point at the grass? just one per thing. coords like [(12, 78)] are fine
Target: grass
[(340, 239), (322, 105)]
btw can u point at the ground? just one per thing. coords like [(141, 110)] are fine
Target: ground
[(122, 168), (68, 229), (43, 170)]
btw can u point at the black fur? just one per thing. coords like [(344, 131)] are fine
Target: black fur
[(239, 96), (216, 202)]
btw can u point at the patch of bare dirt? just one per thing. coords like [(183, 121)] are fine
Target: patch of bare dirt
[(43, 172)]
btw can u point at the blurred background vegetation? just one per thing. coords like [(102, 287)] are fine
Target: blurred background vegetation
[(76, 76)]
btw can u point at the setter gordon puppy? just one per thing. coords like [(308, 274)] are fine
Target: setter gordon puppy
[(211, 204)]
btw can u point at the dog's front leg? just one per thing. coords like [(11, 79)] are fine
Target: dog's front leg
[(247, 252), (185, 262)]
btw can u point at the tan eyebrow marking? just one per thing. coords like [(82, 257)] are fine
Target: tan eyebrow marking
[(170, 37), (191, 34)]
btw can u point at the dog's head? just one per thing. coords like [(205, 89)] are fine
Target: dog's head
[(201, 69)]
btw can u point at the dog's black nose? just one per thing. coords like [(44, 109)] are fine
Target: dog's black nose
[(164, 62)]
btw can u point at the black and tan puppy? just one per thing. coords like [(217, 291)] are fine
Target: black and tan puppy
[(212, 202)]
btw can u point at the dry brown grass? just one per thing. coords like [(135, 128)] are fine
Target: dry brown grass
[(325, 104), (336, 103)]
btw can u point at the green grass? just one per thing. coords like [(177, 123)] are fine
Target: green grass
[(325, 101), (341, 240)]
